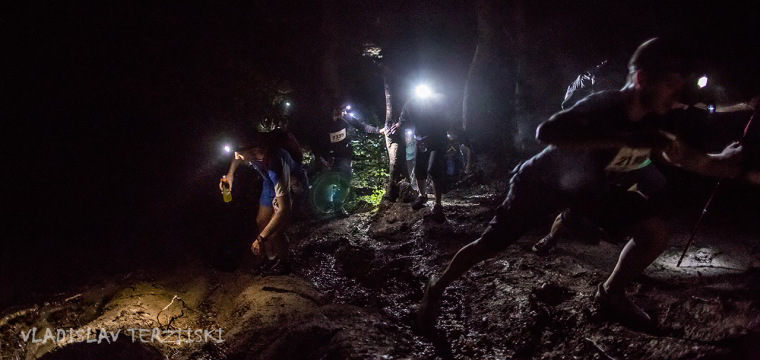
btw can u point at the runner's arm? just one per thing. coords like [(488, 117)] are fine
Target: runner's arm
[(233, 167), (726, 164), (574, 130), (279, 217), (361, 125), (283, 209)]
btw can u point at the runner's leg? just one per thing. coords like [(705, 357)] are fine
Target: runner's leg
[(650, 239)]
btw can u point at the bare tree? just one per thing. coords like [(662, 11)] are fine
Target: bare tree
[(393, 142), (329, 32), (490, 92)]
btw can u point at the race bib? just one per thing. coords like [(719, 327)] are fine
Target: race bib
[(338, 136), (629, 159)]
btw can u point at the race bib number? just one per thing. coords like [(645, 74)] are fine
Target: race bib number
[(338, 136), (629, 159)]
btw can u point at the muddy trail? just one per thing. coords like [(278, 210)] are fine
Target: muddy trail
[(356, 282)]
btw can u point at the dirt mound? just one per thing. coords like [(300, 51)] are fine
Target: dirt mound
[(357, 280)]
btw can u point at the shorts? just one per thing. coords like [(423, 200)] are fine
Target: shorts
[(267, 194), (626, 200), (617, 209), (268, 197), (432, 161), (529, 204)]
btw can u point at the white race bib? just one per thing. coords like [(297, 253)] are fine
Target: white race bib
[(629, 159), (338, 136)]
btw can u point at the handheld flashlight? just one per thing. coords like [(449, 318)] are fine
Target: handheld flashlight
[(227, 148)]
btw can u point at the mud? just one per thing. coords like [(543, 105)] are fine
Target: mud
[(356, 282)]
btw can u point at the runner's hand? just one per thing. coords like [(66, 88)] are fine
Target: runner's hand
[(674, 152), (732, 151), (229, 183), (230, 177), (677, 152), (257, 245), (392, 129)]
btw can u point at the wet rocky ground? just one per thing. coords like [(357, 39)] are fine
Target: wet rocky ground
[(356, 282)]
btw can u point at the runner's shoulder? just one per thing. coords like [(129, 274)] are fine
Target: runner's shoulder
[(600, 100)]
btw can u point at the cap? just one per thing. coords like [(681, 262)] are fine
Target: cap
[(660, 56)]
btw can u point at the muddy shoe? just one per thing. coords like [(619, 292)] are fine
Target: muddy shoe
[(619, 306), (545, 245), (419, 203), (427, 311), (438, 215)]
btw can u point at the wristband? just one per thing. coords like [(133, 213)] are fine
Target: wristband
[(261, 239)]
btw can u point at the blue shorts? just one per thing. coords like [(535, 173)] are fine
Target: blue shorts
[(267, 194), (267, 188)]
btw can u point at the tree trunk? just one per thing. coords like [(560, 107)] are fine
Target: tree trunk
[(388, 98), (331, 82), (394, 143), (525, 104), (489, 96)]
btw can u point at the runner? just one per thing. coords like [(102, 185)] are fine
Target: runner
[(603, 136), (267, 154)]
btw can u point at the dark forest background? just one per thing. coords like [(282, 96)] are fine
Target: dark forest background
[(115, 112)]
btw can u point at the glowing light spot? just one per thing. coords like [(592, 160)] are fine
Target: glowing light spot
[(702, 82), (423, 91), (287, 103), (348, 107), (227, 148)]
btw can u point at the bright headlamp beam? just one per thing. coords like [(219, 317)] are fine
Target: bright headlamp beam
[(702, 82), (423, 91)]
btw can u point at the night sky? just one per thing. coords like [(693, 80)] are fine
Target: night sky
[(117, 110)]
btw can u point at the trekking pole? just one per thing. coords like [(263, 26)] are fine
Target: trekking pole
[(704, 210), (696, 227)]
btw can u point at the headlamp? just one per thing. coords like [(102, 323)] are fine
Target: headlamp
[(423, 91), (702, 82)]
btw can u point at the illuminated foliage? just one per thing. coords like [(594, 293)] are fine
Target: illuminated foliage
[(370, 166)]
